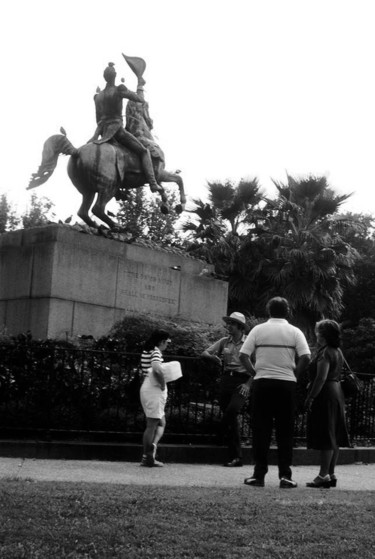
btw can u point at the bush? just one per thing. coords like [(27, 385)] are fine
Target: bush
[(188, 339)]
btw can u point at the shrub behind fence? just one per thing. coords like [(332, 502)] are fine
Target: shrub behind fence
[(64, 389)]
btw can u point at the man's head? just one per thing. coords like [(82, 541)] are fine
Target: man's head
[(278, 307), (109, 73), (236, 320)]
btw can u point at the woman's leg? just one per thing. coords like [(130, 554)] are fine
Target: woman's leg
[(326, 457), (333, 461), (149, 435), (159, 432)]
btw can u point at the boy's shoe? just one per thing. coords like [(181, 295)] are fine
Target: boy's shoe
[(254, 482), (286, 483)]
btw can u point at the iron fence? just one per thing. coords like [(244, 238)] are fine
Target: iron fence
[(90, 392)]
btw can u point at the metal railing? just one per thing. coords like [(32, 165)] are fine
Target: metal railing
[(90, 392)]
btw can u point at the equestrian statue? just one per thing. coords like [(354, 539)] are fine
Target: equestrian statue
[(115, 159)]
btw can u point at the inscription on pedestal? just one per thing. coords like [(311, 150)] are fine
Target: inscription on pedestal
[(143, 287)]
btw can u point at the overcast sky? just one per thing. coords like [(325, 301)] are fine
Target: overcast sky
[(238, 88)]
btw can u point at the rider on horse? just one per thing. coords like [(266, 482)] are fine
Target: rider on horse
[(108, 105)]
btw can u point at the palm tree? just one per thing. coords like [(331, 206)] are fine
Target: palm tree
[(299, 251), (218, 227)]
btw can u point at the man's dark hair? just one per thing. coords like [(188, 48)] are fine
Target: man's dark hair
[(278, 307)]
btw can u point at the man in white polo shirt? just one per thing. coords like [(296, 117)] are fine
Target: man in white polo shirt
[(281, 352)]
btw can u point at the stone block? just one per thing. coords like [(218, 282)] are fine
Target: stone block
[(59, 282), (207, 302), (16, 271), (87, 276), (148, 287), (92, 319)]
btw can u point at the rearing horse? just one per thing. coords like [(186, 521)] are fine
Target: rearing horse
[(108, 170)]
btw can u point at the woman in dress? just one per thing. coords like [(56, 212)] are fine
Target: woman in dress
[(153, 395), (326, 427)]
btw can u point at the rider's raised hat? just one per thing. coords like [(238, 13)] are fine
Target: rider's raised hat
[(235, 317)]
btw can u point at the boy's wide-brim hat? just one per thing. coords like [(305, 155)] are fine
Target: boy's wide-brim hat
[(236, 317)]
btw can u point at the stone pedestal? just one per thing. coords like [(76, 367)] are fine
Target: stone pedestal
[(58, 282)]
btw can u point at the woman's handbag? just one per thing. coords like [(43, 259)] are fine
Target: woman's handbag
[(350, 383)]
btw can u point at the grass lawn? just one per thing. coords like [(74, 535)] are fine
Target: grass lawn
[(51, 520)]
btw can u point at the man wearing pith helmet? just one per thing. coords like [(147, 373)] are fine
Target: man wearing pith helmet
[(234, 382)]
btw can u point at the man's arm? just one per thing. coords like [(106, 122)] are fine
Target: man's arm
[(247, 363), (303, 363), (213, 352)]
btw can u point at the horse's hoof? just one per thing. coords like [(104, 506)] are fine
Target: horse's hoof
[(178, 209), (164, 209)]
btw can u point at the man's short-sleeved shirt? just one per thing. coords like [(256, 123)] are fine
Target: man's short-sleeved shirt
[(275, 344), (229, 351)]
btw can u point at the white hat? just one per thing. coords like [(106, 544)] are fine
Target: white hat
[(235, 317)]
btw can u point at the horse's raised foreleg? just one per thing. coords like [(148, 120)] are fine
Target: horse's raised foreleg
[(83, 212), (166, 176)]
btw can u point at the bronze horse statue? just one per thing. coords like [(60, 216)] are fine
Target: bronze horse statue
[(108, 169)]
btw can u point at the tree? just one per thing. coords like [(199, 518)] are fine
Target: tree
[(8, 217), (300, 252), (217, 228), (141, 216), (38, 213), (359, 299)]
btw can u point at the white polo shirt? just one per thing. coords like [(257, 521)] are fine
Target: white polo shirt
[(275, 344)]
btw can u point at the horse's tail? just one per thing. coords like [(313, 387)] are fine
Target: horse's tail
[(52, 148)]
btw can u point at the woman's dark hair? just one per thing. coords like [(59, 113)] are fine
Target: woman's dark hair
[(155, 339), (330, 331), (278, 307)]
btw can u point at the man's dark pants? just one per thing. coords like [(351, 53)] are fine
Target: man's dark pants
[(273, 400), (231, 403)]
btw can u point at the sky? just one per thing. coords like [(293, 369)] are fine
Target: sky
[(236, 89)]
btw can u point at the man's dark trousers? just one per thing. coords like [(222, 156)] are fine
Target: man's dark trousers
[(273, 400), (231, 403)]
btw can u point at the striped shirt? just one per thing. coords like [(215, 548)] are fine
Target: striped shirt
[(275, 344), (149, 357)]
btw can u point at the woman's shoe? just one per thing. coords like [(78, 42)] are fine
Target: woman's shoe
[(333, 480), (320, 481), (235, 463), (150, 462)]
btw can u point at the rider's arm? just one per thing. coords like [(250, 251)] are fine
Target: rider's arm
[(127, 94)]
